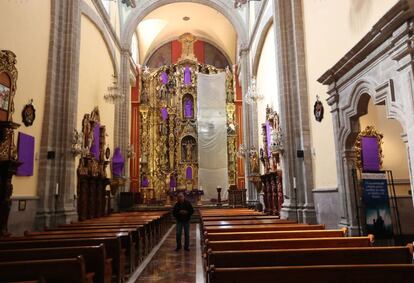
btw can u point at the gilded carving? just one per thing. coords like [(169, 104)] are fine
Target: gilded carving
[(369, 131), (168, 124)]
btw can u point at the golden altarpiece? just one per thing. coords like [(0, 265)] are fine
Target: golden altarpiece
[(168, 134), (8, 150)]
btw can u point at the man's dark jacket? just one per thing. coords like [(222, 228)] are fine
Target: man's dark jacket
[(186, 205)]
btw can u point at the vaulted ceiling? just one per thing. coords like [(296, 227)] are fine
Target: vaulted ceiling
[(167, 23)]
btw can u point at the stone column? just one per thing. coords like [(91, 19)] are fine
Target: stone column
[(59, 120), (290, 60), (333, 101), (121, 135), (244, 77)]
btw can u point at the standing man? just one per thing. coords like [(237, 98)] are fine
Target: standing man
[(182, 212)]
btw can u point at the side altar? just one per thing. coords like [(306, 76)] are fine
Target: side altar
[(168, 141)]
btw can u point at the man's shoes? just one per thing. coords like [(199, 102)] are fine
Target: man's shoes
[(187, 249), (177, 249)]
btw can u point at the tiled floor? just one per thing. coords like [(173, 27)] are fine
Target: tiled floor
[(168, 266)]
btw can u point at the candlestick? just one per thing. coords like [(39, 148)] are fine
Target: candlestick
[(294, 182), (57, 189)]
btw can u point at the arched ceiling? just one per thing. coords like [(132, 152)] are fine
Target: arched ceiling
[(166, 23)]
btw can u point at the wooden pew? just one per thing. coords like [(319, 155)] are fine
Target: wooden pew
[(320, 256), (257, 228), (112, 248), (94, 256), (247, 222), (375, 273), (53, 270), (127, 242), (239, 217), (136, 233), (333, 242), (275, 235)]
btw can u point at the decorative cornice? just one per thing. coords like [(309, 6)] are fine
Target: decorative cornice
[(379, 33)]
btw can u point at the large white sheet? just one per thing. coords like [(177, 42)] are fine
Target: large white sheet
[(212, 133)]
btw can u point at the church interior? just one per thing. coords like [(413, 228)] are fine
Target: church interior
[(288, 125)]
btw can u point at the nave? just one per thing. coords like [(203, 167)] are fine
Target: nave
[(228, 245)]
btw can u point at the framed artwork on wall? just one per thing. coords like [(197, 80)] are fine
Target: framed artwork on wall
[(28, 114)]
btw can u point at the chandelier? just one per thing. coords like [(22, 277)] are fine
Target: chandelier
[(252, 95), (114, 94)]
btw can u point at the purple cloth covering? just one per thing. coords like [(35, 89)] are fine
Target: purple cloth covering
[(26, 147), (144, 182), (164, 78), (187, 75), (268, 137), (173, 183), (118, 163), (188, 108), (189, 173), (95, 142), (370, 154), (164, 113)]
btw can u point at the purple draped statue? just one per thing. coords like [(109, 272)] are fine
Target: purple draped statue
[(173, 182), (189, 173), (95, 143), (164, 113), (164, 78), (144, 182), (118, 163), (188, 108), (187, 75)]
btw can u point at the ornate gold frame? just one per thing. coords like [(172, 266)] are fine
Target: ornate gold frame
[(369, 131), (8, 150), (8, 66)]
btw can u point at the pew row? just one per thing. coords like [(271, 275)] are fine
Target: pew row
[(319, 256), (366, 273), (289, 234), (94, 256), (297, 243), (257, 228), (52, 270)]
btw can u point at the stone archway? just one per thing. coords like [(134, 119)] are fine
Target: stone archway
[(380, 68)]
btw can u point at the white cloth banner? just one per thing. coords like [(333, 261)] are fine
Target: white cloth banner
[(212, 133)]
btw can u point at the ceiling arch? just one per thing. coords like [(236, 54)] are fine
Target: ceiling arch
[(221, 7), (167, 22)]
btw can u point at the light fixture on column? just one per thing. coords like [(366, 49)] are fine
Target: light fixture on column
[(114, 95), (252, 95)]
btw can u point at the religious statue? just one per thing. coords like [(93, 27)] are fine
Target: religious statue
[(189, 151), (254, 160), (187, 42)]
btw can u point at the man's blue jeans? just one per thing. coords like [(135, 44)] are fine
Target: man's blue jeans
[(180, 226)]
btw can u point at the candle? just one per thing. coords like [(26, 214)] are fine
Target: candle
[(57, 189), (294, 182)]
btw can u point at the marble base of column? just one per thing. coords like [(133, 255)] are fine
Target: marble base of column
[(44, 219), (308, 214), (290, 211), (66, 216)]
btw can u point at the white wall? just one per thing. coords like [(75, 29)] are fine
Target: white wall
[(24, 30), (332, 27), (95, 75), (266, 82)]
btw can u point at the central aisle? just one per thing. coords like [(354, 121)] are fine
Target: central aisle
[(170, 266)]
